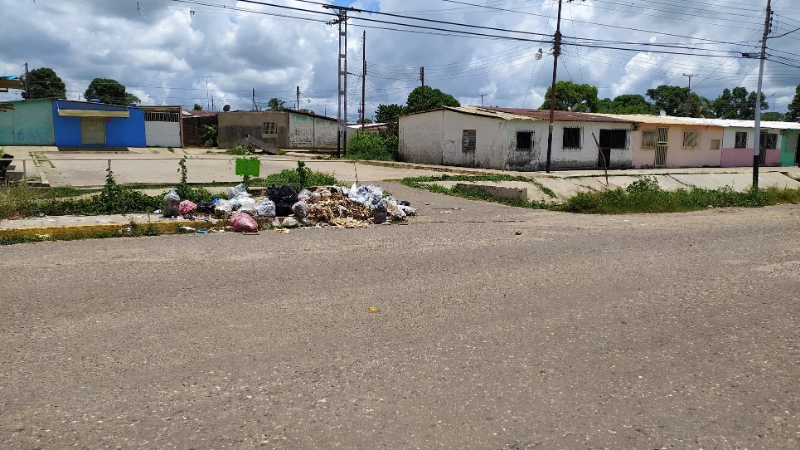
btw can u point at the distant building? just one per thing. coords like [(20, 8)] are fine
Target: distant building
[(286, 129)]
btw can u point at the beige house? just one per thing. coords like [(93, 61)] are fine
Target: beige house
[(673, 141), (285, 129)]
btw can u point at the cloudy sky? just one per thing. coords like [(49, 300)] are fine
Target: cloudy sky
[(190, 51)]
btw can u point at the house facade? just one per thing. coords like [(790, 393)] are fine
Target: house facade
[(673, 142), (72, 124), (514, 139), (281, 129)]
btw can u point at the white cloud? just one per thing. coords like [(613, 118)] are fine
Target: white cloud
[(166, 53)]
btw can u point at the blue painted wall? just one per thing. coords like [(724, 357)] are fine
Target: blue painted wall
[(29, 123), (120, 131)]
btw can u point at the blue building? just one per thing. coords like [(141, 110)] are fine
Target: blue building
[(72, 125)]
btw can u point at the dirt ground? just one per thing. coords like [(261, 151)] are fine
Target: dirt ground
[(497, 327)]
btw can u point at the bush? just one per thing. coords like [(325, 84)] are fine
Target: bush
[(372, 146)]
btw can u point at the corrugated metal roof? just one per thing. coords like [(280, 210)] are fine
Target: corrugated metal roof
[(654, 120), (730, 123), (559, 116)]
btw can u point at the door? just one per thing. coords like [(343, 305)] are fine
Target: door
[(661, 147), (93, 130), (604, 149)]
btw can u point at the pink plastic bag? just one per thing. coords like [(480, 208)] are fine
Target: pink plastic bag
[(186, 207), (242, 222)]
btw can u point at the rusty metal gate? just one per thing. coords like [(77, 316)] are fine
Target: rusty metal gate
[(93, 130), (661, 147)]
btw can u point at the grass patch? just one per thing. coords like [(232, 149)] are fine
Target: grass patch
[(302, 176), (641, 196), (372, 146), (238, 150)]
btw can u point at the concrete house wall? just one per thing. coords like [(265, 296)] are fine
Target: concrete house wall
[(789, 148), (490, 140), (421, 137), (119, 131), (743, 157), (234, 126), (29, 123), (306, 131), (677, 155)]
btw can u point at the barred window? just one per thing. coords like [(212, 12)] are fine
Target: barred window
[(715, 144), (524, 141), (741, 140), (691, 139), (270, 128), (572, 137), (768, 141), (468, 141)]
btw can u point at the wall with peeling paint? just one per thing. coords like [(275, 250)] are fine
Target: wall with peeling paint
[(421, 138), (312, 132)]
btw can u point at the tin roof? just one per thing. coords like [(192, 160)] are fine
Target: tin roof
[(654, 120), (730, 123), (559, 116)]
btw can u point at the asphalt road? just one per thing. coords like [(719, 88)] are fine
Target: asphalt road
[(635, 332)]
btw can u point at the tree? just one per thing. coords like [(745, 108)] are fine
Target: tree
[(197, 107), (275, 104), (388, 113), (773, 116), (573, 97), (44, 83), (737, 104), (626, 104), (794, 108), (424, 98), (365, 121), (110, 92), (671, 99)]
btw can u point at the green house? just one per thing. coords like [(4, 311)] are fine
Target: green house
[(789, 151)]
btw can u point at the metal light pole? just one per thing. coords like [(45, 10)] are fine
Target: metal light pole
[(757, 137)]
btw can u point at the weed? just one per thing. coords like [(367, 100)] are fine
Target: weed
[(372, 146), (292, 178), (238, 150), (170, 149), (210, 135)]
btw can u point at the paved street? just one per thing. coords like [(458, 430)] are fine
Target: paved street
[(636, 332)]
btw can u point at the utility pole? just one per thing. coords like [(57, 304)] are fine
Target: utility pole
[(341, 21), (422, 79), (28, 95), (556, 52), (297, 100), (482, 95), (757, 136), (255, 107), (689, 97), (363, 76)]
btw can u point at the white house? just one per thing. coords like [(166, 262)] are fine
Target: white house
[(514, 139)]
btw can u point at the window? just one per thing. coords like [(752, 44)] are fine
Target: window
[(741, 140), (614, 139), (270, 128), (690, 139), (715, 144), (768, 141), (524, 141), (572, 137), (648, 139), (468, 141)]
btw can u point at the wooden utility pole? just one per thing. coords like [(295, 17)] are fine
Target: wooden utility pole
[(363, 76), (762, 57), (689, 97), (556, 52), (297, 100)]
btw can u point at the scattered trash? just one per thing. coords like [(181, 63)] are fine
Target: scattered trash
[(326, 206), (373, 309), (243, 222), (158, 211), (185, 228), (102, 220), (171, 204), (186, 207), (518, 233)]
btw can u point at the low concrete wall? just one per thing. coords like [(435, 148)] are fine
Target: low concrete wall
[(743, 157)]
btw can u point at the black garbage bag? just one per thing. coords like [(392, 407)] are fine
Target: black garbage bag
[(205, 207), (284, 197)]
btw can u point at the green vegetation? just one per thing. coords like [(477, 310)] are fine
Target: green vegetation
[(209, 136), (44, 83), (372, 146), (110, 92), (238, 150), (642, 196), (302, 176)]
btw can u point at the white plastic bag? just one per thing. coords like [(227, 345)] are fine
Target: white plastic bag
[(223, 208), (265, 208)]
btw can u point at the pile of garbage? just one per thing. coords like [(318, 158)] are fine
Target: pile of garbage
[(284, 207)]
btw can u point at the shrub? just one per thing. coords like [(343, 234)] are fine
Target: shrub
[(372, 146)]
